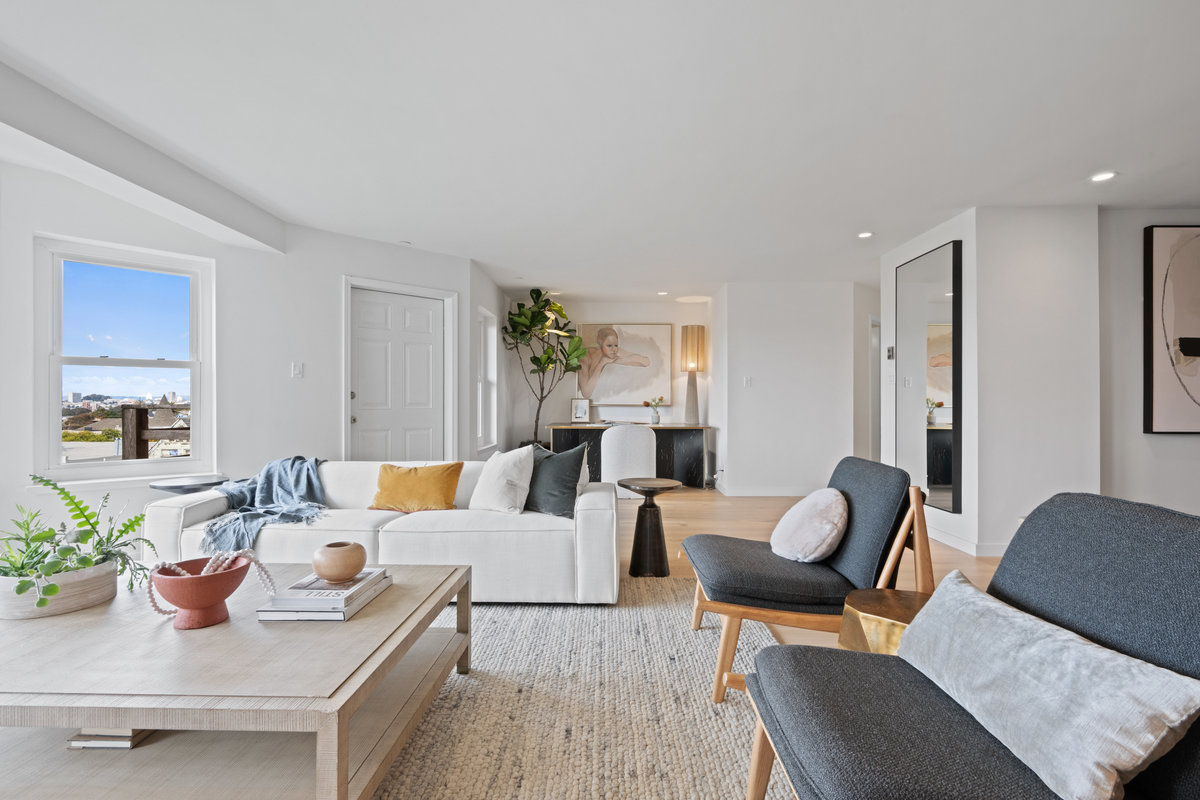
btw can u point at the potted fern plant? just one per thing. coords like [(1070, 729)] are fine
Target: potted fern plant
[(44, 571)]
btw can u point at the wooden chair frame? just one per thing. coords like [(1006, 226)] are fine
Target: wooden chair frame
[(912, 534)]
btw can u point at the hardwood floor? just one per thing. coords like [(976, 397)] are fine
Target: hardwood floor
[(687, 511)]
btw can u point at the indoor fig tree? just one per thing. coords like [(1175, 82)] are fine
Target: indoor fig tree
[(541, 335)]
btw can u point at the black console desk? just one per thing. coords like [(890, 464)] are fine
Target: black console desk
[(681, 451)]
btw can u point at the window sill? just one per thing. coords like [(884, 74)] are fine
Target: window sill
[(118, 483)]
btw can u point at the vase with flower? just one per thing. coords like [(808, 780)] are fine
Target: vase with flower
[(653, 404), (931, 405)]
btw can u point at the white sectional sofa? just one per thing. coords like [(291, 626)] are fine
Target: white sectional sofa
[(514, 558)]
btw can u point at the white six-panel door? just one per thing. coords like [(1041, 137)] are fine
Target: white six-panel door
[(397, 380)]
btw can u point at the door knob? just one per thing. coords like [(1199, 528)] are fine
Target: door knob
[(353, 420), (353, 395)]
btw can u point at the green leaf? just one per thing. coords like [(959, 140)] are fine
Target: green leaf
[(50, 567), (86, 561), (66, 551), (44, 536), (49, 590), (23, 586), (42, 602)]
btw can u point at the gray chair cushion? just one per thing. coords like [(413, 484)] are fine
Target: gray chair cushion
[(746, 572), (877, 500), (1125, 576), (860, 726)]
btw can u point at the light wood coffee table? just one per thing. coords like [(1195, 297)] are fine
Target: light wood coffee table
[(235, 705)]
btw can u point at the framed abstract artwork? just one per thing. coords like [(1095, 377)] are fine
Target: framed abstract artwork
[(1172, 330), (626, 364), (580, 409)]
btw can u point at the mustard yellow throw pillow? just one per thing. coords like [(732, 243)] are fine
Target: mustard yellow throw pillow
[(417, 488)]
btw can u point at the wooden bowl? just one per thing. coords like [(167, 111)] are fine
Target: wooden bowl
[(199, 598)]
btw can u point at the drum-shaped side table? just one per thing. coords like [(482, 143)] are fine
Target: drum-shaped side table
[(875, 619), (649, 557)]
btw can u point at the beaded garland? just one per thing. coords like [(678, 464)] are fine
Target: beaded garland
[(219, 562)]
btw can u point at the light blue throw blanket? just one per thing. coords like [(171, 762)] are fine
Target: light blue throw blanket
[(287, 490)]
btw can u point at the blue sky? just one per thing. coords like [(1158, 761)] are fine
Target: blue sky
[(125, 313)]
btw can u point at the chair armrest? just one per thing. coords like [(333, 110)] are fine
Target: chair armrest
[(596, 563), (166, 519)]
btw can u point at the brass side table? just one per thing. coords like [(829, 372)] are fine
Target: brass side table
[(874, 619)]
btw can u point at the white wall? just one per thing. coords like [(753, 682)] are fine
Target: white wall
[(557, 407), (270, 309), (1039, 362), (1151, 468), (866, 306), (795, 343), (1030, 409)]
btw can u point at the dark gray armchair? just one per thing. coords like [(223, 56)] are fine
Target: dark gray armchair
[(742, 579), (859, 726)]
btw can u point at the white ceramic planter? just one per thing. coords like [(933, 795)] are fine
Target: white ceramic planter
[(77, 589)]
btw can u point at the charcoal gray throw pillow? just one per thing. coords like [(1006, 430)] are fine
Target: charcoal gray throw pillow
[(555, 481)]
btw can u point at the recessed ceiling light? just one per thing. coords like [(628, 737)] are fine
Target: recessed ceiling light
[(1101, 177), (949, 294), (556, 293), (660, 294), (865, 235), (693, 298), (404, 243)]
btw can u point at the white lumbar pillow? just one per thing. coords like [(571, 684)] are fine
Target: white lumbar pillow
[(504, 482), (812, 529)]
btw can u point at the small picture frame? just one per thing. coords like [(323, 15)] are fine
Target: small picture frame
[(581, 409)]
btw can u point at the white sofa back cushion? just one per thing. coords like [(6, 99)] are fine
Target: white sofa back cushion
[(352, 484)]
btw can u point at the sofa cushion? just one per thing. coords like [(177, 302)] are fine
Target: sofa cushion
[(467, 520), (417, 488), (811, 529), (352, 484), (554, 484), (746, 572), (862, 726), (1084, 718), (504, 482), (296, 542)]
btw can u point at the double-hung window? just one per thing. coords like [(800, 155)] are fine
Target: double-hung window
[(127, 362), (485, 380)]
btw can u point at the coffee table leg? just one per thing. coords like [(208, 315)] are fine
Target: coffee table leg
[(333, 756), (463, 604)]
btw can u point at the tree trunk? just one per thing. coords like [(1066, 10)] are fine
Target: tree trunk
[(537, 419)]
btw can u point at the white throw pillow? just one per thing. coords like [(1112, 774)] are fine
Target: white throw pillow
[(1086, 719), (504, 482), (812, 529)]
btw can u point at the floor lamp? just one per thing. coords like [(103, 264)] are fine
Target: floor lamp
[(693, 346)]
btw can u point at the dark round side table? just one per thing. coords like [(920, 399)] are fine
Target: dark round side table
[(649, 558)]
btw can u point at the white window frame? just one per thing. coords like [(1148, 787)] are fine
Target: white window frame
[(49, 255), (486, 392)]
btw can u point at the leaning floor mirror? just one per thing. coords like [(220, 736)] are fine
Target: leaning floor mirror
[(929, 373)]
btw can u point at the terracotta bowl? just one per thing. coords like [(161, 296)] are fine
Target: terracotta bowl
[(199, 598)]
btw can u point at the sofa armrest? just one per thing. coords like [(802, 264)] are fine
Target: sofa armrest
[(596, 563), (166, 519)]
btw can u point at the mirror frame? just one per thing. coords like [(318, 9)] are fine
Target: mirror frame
[(956, 435)]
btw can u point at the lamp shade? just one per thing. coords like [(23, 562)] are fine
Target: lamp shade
[(693, 346)]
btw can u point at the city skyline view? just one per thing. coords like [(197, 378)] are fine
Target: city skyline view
[(120, 312)]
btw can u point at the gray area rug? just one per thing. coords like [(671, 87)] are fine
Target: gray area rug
[(578, 702)]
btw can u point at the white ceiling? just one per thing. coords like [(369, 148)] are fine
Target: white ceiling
[(615, 149)]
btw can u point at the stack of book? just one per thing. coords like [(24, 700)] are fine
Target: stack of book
[(313, 599), (107, 738)]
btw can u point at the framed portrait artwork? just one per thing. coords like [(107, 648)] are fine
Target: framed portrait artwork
[(626, 364), (580, 409), (1171, 377)]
